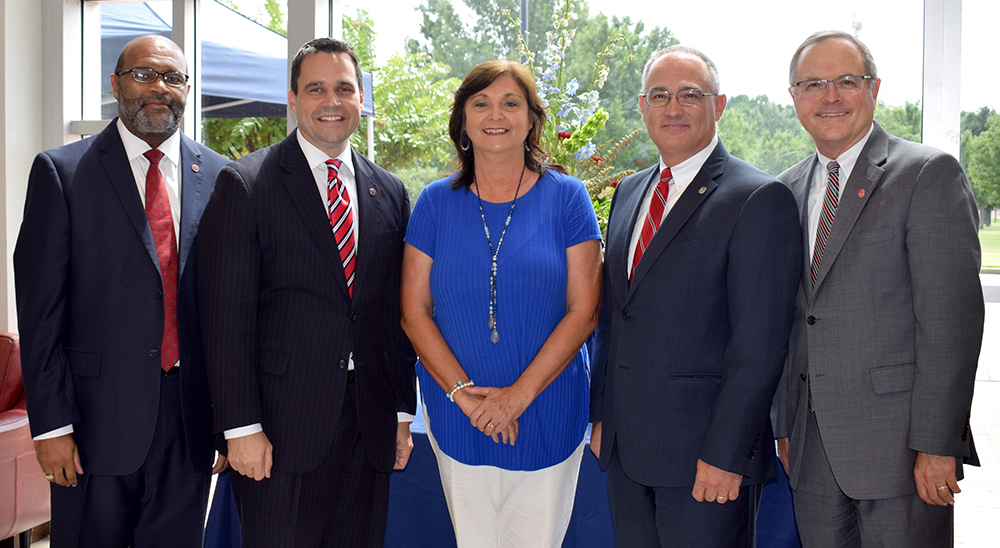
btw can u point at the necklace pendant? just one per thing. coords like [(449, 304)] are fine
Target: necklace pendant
[(494, 337), (491, 322)]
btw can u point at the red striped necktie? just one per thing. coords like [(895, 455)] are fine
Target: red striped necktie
[(649, 227), (341, 220)]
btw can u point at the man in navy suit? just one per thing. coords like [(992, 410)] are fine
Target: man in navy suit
[(110, 336), (700, 272), (302, 248)]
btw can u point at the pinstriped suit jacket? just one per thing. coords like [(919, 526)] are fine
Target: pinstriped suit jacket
[(278, 322), (889, 336)]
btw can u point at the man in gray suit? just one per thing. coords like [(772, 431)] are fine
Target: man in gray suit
[(872, 413)]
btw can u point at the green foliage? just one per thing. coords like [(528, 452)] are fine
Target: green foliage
[(984, 164), (765, 134), (412, 104), (237, 137), (270, 16), (902, 121), (416, 178)]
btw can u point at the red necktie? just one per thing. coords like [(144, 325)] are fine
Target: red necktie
[(162, 224), (830, 200), (341, 220), (656, 206)]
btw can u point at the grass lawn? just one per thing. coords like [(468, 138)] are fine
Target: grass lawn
[(989, 239)]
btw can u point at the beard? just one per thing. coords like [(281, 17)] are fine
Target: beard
[(131, 109)]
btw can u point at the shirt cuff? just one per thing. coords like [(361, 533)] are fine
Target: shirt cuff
[(68, 429), (404, 417), (243, 431)]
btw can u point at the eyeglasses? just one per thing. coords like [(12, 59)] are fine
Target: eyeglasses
[(845, 85), (690, 97), (146, 75)]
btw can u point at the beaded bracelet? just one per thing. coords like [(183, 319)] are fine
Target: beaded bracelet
[(458, 386)]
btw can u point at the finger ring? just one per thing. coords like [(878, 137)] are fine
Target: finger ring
[(942, 488), (490, 424), (721, 498), (49, 477)]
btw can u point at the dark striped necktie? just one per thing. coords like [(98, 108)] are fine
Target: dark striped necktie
[(830, 200)]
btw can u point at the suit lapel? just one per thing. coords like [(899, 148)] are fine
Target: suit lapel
[(368, 211), (192, 199), (865, 176), (629, 197), (301, 188), (119, 172), (697, 192)]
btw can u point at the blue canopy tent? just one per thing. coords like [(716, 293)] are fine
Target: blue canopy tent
[(243, 64)]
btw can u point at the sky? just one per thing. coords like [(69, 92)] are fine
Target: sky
[(752, 41)]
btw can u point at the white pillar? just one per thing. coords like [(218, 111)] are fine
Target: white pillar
[(942, 74), (308, 19), (185, 34), (22, 74)]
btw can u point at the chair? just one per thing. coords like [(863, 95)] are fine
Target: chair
[(20, 474)]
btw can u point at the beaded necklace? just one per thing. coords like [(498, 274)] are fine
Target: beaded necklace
[(492, 321)]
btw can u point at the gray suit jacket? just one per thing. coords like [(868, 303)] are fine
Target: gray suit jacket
[(888, 338)]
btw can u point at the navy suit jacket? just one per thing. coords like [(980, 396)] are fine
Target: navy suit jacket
[(90, 303), (279, 324), (690, 355)]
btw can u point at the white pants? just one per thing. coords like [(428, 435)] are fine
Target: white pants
[(496, 508)]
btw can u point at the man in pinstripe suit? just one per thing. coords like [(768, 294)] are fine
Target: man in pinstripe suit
[(311, 376)]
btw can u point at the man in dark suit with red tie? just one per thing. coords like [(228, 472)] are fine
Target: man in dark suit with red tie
[(700, 271), (309, 368), (111, 347)]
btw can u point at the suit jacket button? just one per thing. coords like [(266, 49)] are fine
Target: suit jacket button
[(811, 320), (158, 293), (342, 364), (626, 315), (354, 317), (154, 353), (802, 376)]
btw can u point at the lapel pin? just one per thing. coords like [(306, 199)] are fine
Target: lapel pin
[(371, 191), (194, 168), (702, 190), (861, 193)]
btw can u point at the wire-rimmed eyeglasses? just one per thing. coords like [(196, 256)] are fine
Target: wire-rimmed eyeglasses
[(688, 97), (845, 85)]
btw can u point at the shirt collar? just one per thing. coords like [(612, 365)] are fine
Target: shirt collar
[(849, 157), (685, 172), (135, 147), (316, 157)]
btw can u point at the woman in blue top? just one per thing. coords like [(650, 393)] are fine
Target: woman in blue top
[(501, 288)]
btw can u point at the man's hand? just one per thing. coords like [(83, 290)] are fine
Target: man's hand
[(935, 477), (404, 446), (59, 458), (595, 439), (783, 445), (251, 455), (220, 463), (713, 484)]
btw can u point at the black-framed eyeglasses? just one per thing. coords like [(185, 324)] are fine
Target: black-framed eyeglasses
[(689, 97), (845, 85), (146, 75)]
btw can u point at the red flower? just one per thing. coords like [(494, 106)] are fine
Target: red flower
[(597, 159), (564, 135), (615, 184)]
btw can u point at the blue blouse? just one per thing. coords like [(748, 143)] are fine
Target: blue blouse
[(552, 216)]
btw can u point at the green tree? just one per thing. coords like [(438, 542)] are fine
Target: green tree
[(763, 133), (984, 165), (412, 97), (902, 121), (270, 14)]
